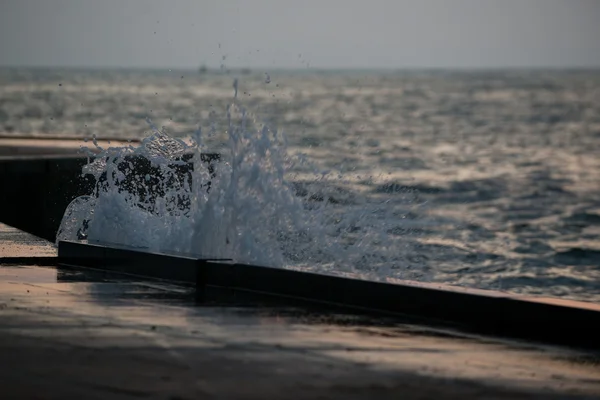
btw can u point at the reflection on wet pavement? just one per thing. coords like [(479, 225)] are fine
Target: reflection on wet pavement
[(156, 327)]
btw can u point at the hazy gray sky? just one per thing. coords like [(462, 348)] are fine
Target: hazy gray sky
[(282, 33)]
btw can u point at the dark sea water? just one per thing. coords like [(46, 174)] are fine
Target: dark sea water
[(490, 178)]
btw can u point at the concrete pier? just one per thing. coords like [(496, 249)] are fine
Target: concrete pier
[(69, 332), (76, 333), (12, 146), (38, 179)]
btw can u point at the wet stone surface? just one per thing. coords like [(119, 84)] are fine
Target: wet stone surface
[(75, 333)]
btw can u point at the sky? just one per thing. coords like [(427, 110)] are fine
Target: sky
[(300, 33)]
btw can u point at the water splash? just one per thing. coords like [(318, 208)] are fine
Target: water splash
[(250, 211)]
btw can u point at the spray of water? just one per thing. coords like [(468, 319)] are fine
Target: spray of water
[(243, 207)]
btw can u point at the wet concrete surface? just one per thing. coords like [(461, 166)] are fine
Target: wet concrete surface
[(11, 146), (74, 333), (18, 244)]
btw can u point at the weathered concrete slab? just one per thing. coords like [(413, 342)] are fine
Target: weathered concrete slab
[(18, 244), (482, 311), (71, 333), (37, 185), (38, 179), (41, 146), (68, 335), (36, 192)]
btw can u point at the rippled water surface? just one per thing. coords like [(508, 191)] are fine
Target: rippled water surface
[(487, 179)]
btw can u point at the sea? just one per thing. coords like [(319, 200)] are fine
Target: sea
[(477, 178)]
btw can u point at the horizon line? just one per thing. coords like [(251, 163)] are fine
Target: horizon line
[(248, 69)]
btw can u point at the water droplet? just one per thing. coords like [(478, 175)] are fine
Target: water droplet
[(267, 78)]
